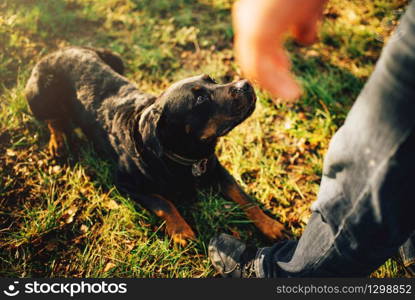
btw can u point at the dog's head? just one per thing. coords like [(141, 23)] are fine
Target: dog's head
[(193, 113)]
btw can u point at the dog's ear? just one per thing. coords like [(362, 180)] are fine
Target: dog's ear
[(148, 127)]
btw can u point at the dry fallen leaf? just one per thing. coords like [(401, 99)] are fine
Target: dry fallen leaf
[(69, 214), (84, 228), (109, 266), (72, 210), (56, 169), (69, 219), (111, 204), (10, 152), (129, 245)]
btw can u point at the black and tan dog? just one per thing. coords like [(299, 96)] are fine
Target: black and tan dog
[(164, 146)]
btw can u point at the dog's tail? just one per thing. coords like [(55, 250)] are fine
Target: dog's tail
[(110, 58)]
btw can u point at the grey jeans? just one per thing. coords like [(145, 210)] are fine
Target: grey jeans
[(365, 208)]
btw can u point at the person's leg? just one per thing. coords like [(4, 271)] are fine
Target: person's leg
[(342, 240), (364, 210)]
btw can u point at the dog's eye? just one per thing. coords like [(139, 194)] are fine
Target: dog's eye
[(202, 99), (212, 80)]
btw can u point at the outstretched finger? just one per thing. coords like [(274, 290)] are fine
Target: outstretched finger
[(279, 81), (270, 67)]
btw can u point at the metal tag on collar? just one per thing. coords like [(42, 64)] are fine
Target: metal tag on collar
[(199, 168)]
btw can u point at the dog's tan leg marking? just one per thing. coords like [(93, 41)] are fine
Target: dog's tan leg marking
[(176, 226), (268, 226), (57, 137)]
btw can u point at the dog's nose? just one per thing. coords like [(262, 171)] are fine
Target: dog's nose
[(243, 85)]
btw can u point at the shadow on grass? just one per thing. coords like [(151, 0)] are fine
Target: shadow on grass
[(35, 194)]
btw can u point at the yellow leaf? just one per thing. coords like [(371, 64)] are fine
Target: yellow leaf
[(109, 266)]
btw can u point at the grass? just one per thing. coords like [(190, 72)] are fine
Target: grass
[(66, 219)]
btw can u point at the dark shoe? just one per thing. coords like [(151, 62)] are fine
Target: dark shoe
[(408, 266), (231, 257), (407, 256), (410, 271)]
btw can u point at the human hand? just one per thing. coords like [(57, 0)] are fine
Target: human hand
[(260, 27)]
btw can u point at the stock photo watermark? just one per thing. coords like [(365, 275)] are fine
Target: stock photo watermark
[(70, 289)]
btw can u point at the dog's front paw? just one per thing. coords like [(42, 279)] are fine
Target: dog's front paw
[(180, 233), (271, 228)]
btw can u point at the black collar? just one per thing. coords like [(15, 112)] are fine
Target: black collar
[(199, 166)]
